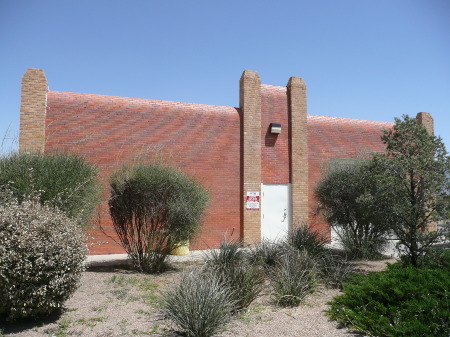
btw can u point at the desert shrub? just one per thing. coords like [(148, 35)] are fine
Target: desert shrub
[(42, 253), (229, 253), (293, 278), (65, 181), (230, 264), (347, 196), (401, 301), (304, 238), (154, 208), (199, 306), (244, 281), (334, 269), (267, 254), (367, 249)]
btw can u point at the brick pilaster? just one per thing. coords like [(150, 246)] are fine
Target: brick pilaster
[(250, 104), (32, 111), (425, 119), (299, 149)]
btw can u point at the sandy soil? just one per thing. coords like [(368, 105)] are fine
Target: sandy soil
[(114, 301)]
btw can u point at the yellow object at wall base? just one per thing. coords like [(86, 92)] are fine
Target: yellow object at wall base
[(183, 249)]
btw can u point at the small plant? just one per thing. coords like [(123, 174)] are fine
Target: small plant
[(334, 270), (293, 278), (401, 301), (229, 253), (154, 207), (229, 264), (304, 238), (42, 254), (65, 181), (267, 254), (199, 306), (368, 248)]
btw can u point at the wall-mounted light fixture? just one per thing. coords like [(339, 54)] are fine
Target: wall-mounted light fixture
[(275, 128)]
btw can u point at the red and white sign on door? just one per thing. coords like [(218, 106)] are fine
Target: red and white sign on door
[(252, 200)]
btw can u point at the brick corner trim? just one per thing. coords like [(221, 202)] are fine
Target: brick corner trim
[(33, 110)]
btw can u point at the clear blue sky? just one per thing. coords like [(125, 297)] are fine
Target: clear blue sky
[(363, 59)]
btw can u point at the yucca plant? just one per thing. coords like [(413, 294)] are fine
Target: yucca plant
[(200, 306), (293, 278), (334, 269), (230, 264), (304, 238), (266, 253), (229, 253)]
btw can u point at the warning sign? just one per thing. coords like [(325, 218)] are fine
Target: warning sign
[(252, 201)]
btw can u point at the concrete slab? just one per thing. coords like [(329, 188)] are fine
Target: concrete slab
[(121, 259)]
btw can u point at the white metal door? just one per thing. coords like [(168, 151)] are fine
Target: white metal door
[(275, 211)]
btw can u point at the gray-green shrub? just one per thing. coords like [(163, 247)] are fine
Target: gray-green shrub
[(231, 265), (304, 238), (229, 252), (154, 208), (66, 181), (200, 306), (293, 278), (334, 269), (42, 253), (266, 253), (347, 196)]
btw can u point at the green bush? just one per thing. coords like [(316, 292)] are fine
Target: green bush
[(154, 208), (401, 301), (347, 197), (42, 254), (304, 238), (293, 278), (434, 258), (65, 181), (199, 306)]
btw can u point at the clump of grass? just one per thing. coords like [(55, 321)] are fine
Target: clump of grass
[(293, 278), (229, 253), (304, 238), (200, 306), (243, 279), (334, 269), (266, 253)]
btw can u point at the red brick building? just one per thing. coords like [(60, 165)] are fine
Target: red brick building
[(260, 161)]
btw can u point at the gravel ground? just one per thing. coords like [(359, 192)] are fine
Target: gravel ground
[(114, 301)]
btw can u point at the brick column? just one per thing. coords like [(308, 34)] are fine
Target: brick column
[(250, 104), (32, 111), (299, 149), (425, 119)]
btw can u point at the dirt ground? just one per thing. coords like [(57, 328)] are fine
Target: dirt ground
[(115, 301)]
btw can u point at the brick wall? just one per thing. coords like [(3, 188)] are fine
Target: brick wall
[(230, 150), (274, 147), (202, 140)]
